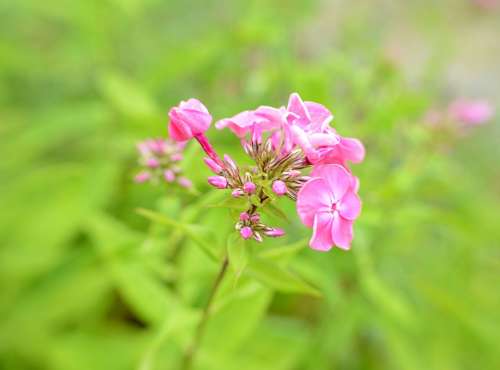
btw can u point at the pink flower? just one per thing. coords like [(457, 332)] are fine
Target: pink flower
[(219, 182), (279, 187), (329, 204), (189, 119), (471, 112), (348, 149)]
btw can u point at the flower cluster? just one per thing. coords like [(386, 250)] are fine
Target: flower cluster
[(461, 114), (159, 158), (296, 154)]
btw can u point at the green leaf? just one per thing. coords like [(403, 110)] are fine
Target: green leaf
[(271, 210), (237, 253), (192, 231), (279, 278), (284, 252)]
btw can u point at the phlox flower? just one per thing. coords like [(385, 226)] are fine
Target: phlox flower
[(329, 204)]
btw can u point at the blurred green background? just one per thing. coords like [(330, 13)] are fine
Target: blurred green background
[(87, 283)]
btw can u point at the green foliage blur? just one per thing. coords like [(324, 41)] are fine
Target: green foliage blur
[(88, 282)]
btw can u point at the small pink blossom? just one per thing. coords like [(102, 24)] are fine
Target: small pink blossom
[(189, 119), (255, 218), (249, 187), (220, 182), (152, 162), (176, 157), (244, 216), (471, 112), (329, 204), (246, 232), (279, 187)]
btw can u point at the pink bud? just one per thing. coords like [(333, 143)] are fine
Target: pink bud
[(219, 182), (236, 193), (152, 162), (244, 216), (246, 232), (293, 173), (142, 177), (169, 175), (212, 165), (176, 157), (279, 187), (190, 118), (255, 218), (230, 162), (249, 187), (275, 233), (185, 183)]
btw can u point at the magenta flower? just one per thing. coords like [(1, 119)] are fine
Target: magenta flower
[(471, 112), (329, 204), (189, 119)]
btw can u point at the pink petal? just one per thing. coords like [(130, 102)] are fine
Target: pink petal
[(319, 114), (350, 206), (297, 106), (342, 233), (314, 196), (323, 139), (352, 150), (322, 232), (336, 176)]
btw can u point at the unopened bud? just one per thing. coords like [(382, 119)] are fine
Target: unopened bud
[(185, 183), (142, 177), (249, 187), (279, 187), (244, 216), (219, 182), (169, 175), (246, 232), (216, 168), (152, 162), (275, 233), (236, 193)]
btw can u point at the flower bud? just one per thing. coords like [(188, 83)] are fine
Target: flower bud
[(169, 175), (236, 193), (249, 187), (152, 162), (246, 232), (279, 187), (176, 157), (185, 183), (244, 216), (230, 162), (189, 119), (219, 182), (142, 177), (212, 165), (275, 233), (255, 218)]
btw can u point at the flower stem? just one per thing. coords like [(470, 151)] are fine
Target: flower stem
[(207, 147), (190, 353)]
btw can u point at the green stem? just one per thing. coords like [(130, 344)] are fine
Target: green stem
[(190, 353)]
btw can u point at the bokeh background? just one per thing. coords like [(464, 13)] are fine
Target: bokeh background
[(88, 283)]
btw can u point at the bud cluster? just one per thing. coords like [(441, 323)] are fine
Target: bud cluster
[(159, 159)]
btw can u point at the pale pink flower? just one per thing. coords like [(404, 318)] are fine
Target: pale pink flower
[(329, 204), (189, 119), (471, 112), (279, 187)]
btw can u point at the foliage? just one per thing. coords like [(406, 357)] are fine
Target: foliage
[(97, 272)]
